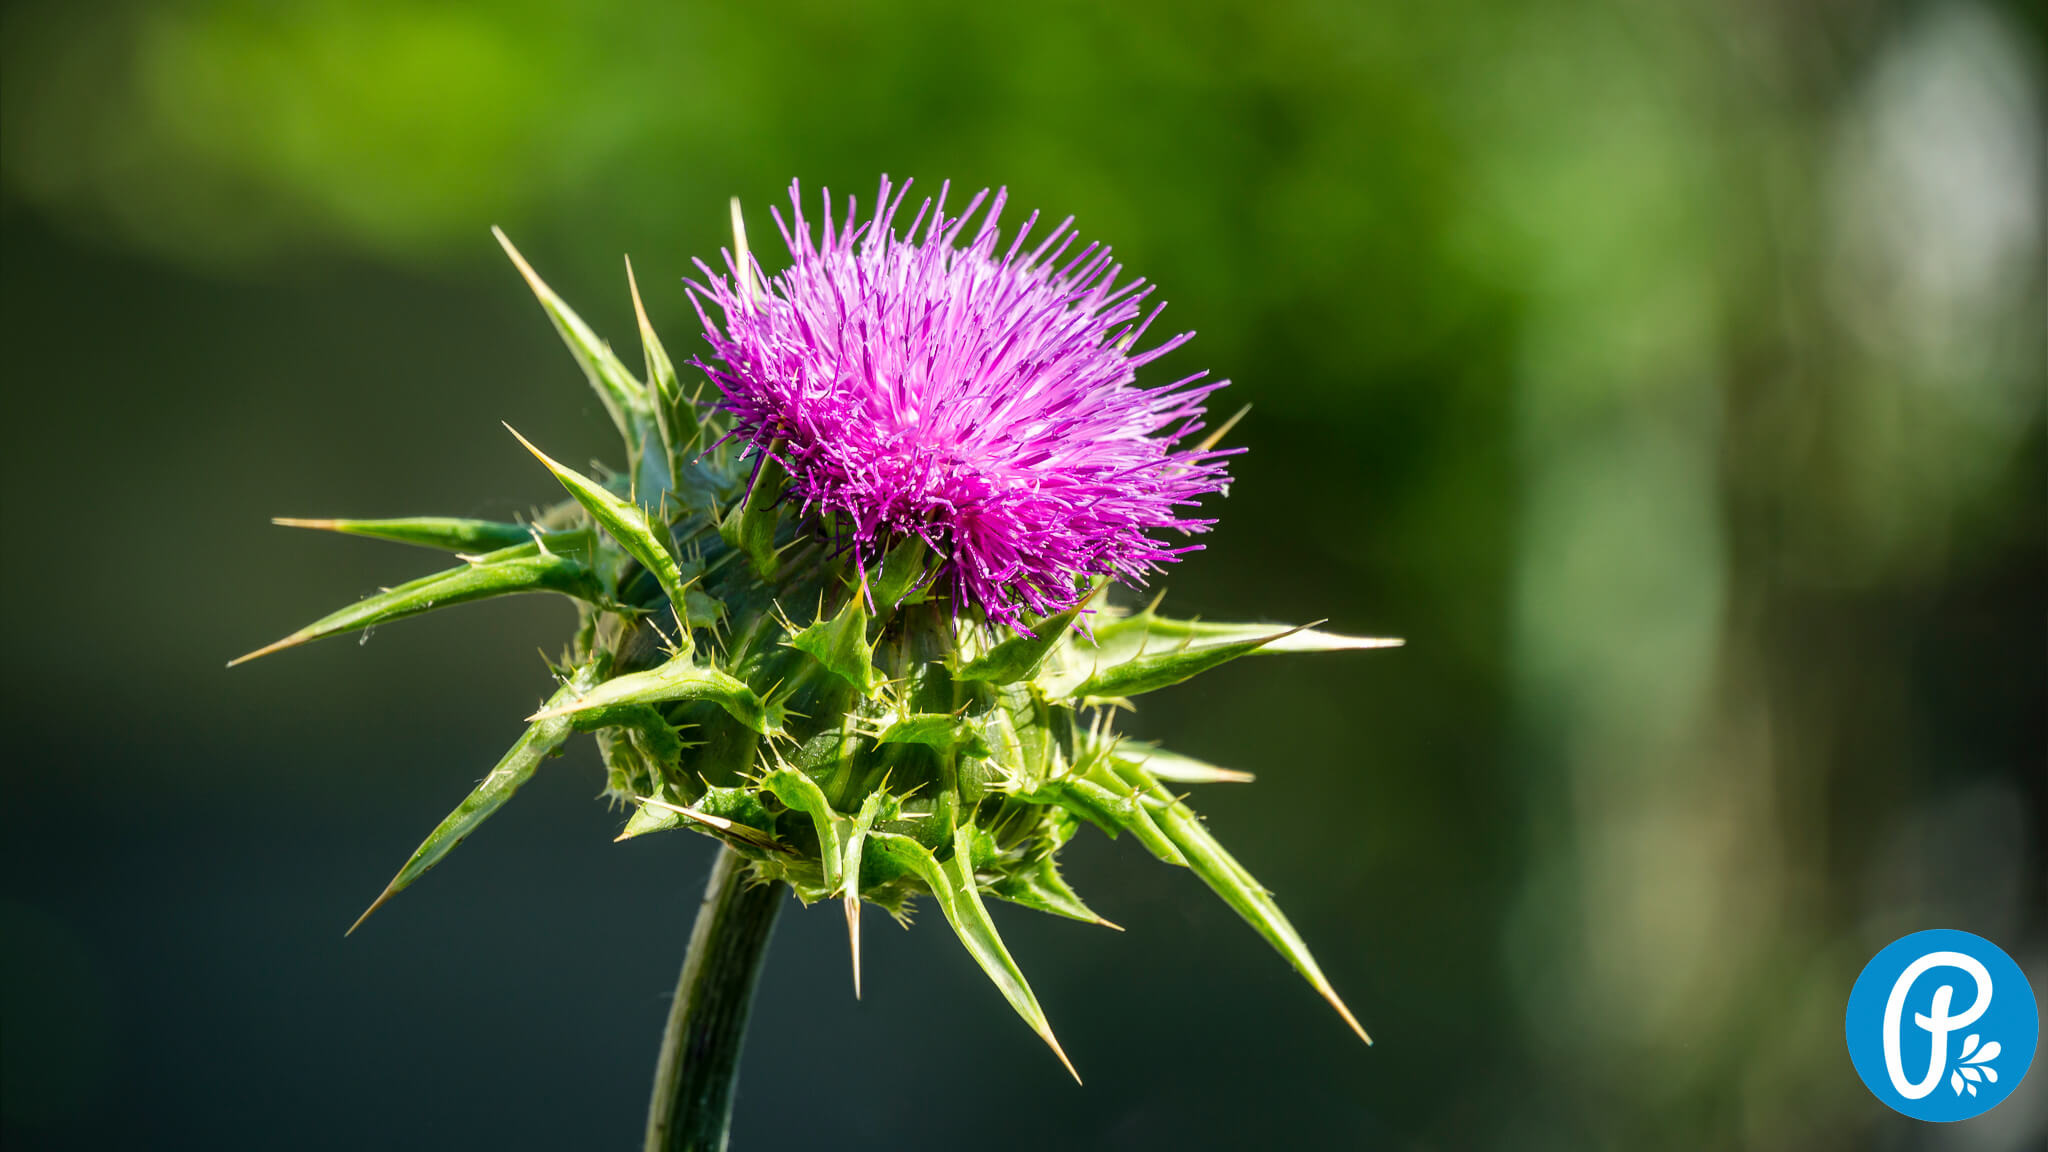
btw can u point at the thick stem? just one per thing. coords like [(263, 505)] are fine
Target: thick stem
[(700, 1051)]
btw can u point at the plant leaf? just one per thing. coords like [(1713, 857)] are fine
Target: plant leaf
[(730, 826), (802, 794), (841, 645), (1146, 629), (751, 526), (1176, 767), (1221, 872), (447, 533), (1018, 657), (1112, 807), (856, 839), (953, 884), (621, 394), (940, 730), (679, 679), (1040, 887), (507, 572), (904, 570), (627, 523), (656, 734), (537, 744), (1150, 672), (656, 475)]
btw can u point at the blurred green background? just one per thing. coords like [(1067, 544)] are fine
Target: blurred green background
[(1671, 375)]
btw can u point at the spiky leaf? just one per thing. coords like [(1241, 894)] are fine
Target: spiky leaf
[(1148, 631), (1040, 887), (623, 397), (800, 793), (871, 809), (656, 475), (1176, 767), (905, 568), (953, 884), (507, 572), (1111, 804), (625, 522), (1153, 671), (679, 679), (948, 733), (729, 814), (1221, 871), (538, 743), (645, 722), (840, 643), (751, 526), (448, 533), (1018, 657)]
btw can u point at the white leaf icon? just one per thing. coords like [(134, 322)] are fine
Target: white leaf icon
[(1970, 1073), (1972, 1088), (1991, 1075), (1955, 1080), (1990, 1052), (1969, 1046)]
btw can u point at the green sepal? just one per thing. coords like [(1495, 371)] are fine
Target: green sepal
[(1019, 657), (623, 396), (1039, 886), (953, 884), (841, 645), (447, 533), (540, 741), (679, 679), (734, 815), (751, 526), (644, 721), (947, 733), (904, 570), (1150, 672), (627, 523), (659, 471), (1229, 879), (506, 572), (1176, 767), (800, 793), (878, 805), (1119, 639), (1113, 805)]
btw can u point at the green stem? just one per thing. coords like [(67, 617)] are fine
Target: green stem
[(700, 1052)]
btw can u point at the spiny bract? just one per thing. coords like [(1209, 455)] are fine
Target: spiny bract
[(852, 722)]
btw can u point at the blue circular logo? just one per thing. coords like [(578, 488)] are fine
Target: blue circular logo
[(1942, 1025)]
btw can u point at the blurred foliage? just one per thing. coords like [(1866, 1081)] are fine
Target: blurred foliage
[(1670, 374)]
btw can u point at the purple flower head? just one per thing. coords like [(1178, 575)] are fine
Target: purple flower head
[(981, 400)]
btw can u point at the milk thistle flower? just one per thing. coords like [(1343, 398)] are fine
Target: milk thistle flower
[(985, 404), (851, 615)]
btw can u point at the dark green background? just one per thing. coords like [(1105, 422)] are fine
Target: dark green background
[(1670, 375)]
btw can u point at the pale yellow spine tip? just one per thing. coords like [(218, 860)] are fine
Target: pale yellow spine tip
[(388, 893), (290, 641)]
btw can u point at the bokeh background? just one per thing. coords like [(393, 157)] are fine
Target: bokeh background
[(1671, 375)]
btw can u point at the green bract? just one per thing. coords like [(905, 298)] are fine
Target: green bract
[(843, 730)]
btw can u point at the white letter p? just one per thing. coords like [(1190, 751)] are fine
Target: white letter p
[(1938, 1023)]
